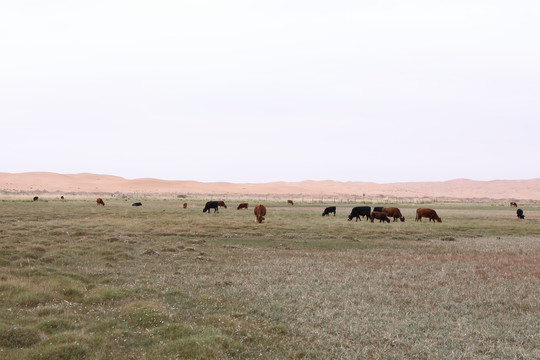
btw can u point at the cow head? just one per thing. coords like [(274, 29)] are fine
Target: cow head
[(402, 218)]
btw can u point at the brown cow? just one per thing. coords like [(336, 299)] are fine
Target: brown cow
[(379, 215), (513, 204), (393, 212), (260, 212), (184, 206), (221, 204), (99, 201), (242, 206), (290, 202), (429, 213), (36, 198)]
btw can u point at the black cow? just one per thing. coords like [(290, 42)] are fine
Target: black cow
[(328, 210), (378, 208), (358, 211), (211, 205), (136, 204), (520, 214)]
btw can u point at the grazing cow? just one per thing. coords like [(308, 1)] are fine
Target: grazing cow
[(429, 213), (184, 206), (378, 208), (520, 214), (393, 212), (211, 205), (328, 210), (62, 197), (242, 206), (260, 212), (513, 204), (99, 201), (221, 204), (379, 215), (136, 204), (36, 198), (290, 202), (358, 211)]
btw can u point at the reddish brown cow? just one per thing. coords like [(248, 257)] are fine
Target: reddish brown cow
[(513, 204), (221, 204), (184, 206), (242, 206), (99, 201), (260, 212), (393, 212), (379, 215), (429, 213), (290, 202)]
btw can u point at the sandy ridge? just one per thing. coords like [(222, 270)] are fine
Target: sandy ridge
[(35, 182)]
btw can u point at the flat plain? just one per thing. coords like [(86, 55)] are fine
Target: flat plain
[(80, 281)]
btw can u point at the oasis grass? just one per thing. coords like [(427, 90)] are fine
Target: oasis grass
[(118, 282)]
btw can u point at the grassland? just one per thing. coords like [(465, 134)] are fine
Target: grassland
[(78, 281)]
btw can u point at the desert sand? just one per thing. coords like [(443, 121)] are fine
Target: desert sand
[(43, 183)]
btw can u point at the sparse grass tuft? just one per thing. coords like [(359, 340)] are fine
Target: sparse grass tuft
[(143, 315), (18, 337), (60, 352), (53, 325)]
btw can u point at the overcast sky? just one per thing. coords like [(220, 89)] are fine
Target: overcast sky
[(258, 91)]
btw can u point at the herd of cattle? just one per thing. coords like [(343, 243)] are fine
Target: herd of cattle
[(383, 214), (378, 213)]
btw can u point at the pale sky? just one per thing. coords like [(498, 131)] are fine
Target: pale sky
[(258, 91)]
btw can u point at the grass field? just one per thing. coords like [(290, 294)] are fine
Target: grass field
[(79, 281)]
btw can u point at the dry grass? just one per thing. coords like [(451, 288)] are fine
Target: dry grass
[(117, 282)]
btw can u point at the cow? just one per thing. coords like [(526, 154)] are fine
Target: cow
[(136, 204), (429, 213), (221, 204), (99, 201), (290, 202), (62, 197), (184, 206), (211, 205), (260, 212), (520, 214), (381, 216), (328, 210), (242, 206), (378, 208), (36, 198), (393, 212), (358, 211), (513, 204)]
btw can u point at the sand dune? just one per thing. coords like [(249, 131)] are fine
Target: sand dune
[(44, 182)]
